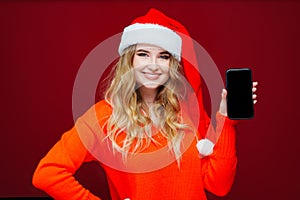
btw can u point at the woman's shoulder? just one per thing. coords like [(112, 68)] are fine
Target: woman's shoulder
[(98, 113), (102, 109), (102, 105)]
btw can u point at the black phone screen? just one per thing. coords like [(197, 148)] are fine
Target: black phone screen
[(239, 93)]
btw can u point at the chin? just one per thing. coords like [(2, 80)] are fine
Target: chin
[(151, 86)]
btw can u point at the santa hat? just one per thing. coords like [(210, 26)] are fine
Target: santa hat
[(153, 28)]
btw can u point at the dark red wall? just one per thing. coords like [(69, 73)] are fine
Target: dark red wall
[(42, 45)]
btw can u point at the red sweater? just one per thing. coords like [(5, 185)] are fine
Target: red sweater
[(214, 173)]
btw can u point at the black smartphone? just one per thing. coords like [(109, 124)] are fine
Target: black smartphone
[(239, 93)]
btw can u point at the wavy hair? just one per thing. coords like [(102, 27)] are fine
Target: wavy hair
[(132, 116)]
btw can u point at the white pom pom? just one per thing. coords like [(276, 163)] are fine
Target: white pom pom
[(205, 147)]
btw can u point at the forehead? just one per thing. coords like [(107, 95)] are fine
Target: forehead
[(149, 47)]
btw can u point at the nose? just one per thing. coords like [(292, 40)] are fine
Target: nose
[(153, 64)]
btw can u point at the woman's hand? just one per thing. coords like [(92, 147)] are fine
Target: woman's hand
[(223, 104)]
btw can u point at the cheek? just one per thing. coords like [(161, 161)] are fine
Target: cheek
[(165, 69), (134, 62), (166, 74), (138, 62), (163, 63), (137, 76)]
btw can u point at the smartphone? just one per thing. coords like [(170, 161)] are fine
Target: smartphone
[(239, 93)]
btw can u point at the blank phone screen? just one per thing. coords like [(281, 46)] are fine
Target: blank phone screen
[(239, 93)]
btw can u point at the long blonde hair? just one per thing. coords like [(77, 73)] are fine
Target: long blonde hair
[(128, 106)]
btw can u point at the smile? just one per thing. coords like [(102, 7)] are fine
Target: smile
[(151, 76)]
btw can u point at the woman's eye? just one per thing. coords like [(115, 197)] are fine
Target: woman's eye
[(141, 54), (165, 56)]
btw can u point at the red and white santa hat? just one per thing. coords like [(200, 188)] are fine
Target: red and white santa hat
[(153, 28)]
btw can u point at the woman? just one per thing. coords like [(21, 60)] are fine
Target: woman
[(146, 110)]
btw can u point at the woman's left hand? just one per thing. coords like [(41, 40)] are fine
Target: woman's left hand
[(223, 104)]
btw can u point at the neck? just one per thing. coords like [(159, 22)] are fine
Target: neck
[(148, 95)]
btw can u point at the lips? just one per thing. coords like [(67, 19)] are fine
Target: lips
[(151, 76)]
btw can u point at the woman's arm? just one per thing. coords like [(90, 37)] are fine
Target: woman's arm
[(54, 173), (219, 168)]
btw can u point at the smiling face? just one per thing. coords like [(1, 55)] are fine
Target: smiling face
[(151, 66)]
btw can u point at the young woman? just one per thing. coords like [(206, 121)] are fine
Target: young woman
[(145, 133)]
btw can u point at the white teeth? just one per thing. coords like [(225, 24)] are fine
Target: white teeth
[(151, 76), (154, 74)]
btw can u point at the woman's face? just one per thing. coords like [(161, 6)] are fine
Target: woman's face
[(151, 66)]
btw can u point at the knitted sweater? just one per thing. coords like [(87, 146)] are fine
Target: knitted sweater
[(214, 173)]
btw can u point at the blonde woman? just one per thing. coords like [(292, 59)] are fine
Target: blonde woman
[(145, 113)]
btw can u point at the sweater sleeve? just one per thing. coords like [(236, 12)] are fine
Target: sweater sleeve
[(219, 168), (55, 171)]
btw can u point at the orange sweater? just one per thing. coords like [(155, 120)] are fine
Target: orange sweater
[(214, 173)]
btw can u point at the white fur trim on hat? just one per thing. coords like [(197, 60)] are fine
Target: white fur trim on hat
[(154, 34)]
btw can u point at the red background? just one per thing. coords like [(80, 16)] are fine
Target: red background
[(42, 46)]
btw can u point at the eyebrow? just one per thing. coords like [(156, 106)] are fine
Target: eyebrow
[(143, 50)]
